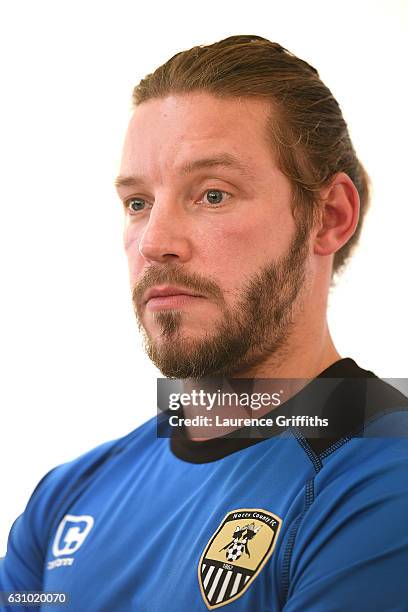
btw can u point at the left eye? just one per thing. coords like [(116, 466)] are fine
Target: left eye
[(215, 196), (135, 204)]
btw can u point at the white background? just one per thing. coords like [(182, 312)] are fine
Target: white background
[(72, 370)]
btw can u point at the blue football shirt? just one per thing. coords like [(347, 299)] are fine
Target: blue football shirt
[(285, 523)]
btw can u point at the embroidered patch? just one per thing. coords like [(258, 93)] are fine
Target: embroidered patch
[(235, 554)]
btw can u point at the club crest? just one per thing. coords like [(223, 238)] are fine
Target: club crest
[(235, 555)]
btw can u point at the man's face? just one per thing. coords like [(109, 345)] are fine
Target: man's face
[(216, 261)]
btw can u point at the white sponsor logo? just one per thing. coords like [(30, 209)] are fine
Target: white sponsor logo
[(70, 536)]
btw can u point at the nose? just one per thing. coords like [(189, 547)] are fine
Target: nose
[(165, 238)]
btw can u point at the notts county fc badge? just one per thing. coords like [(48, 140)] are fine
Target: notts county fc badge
[(235, 555)]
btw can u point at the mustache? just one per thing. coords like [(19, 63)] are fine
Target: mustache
[(175, 275)]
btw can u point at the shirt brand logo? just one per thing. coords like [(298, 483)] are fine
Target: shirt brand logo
[(69, 537)]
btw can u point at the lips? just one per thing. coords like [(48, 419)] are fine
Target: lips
[(168, 291)]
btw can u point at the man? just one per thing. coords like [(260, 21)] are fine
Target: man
[(242, 196)]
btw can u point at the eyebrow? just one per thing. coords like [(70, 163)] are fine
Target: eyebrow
[(225, 160)]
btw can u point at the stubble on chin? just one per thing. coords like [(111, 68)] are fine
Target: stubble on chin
[(169, 322)]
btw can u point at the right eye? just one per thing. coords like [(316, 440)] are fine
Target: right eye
[(134, 205)]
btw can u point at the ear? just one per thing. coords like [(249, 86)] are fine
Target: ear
[(339, 214)]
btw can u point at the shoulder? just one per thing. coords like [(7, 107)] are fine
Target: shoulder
[(22, 567), (363, 477), (353, 528), (61, 478), (60, 485)]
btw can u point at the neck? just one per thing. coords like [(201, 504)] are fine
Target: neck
[(302, 359), (305, 356)]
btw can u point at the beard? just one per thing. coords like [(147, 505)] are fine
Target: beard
[(258, 327)]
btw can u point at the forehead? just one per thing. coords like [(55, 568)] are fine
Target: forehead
[(167, 133)]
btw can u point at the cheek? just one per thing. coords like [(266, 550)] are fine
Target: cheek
[(131, 241), (241, 248), (224, 254)]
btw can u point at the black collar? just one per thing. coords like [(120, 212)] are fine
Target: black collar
[(351, 404)]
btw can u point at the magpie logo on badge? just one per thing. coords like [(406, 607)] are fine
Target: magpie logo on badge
[(235, 554)]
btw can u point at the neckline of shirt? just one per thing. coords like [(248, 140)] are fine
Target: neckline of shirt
[(206, 451)]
